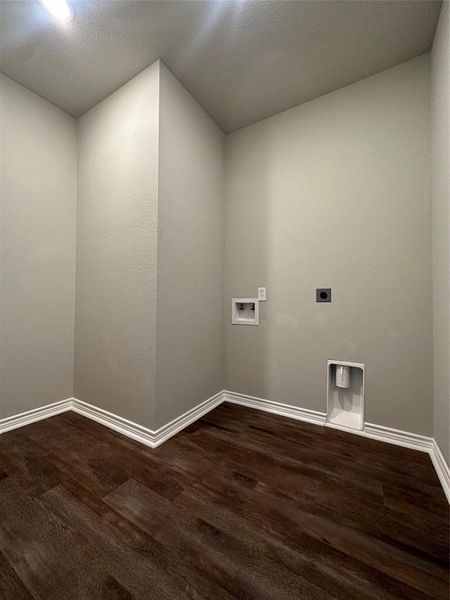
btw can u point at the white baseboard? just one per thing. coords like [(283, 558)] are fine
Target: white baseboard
[(149, 437), (389, 435), (398, 437), (169, 429), (31, 416), (285, 410), (120, 424), (154, 438), (441, 467)]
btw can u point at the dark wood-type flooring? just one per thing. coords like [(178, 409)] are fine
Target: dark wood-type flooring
[(241, 504)]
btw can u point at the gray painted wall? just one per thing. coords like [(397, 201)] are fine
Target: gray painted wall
[(117, 251), (332, 193), (149, 252), (38, 165), (440, 138), (190, 253), (336, 193)]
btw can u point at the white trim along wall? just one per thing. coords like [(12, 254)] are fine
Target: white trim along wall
[(154, 438)]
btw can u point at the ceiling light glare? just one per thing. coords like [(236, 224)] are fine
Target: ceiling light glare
[(60, 9)]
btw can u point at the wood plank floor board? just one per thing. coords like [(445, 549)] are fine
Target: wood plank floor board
[(133, 557), (241, 504), (330, 459), (11, 586), (22, 457), (250, 567), (291, 522), (191, 570), (327, 571), (51, 560)]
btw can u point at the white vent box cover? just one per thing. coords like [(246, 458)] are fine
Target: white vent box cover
[(346, 387)]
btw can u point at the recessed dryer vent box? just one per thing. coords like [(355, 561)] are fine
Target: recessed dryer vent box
[(346, 386), (245, 311)]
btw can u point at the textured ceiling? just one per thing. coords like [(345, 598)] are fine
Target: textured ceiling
[(243, 60)]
